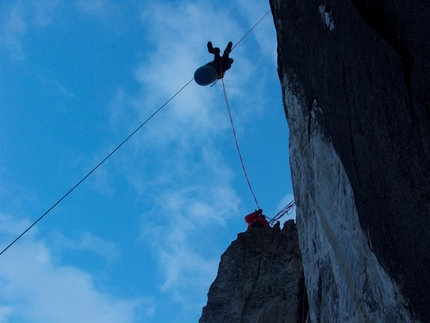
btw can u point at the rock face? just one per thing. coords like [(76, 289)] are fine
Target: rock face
[(260, 280), (356, 88)]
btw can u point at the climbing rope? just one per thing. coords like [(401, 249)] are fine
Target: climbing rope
[(237, 144), (121, 144), (286, 210), (240, 40), (98, 165), (229, 112)]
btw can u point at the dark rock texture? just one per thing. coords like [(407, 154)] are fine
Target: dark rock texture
[(356, 83), (260, 280)]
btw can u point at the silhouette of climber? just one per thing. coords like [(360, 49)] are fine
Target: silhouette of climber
[(220, 64)]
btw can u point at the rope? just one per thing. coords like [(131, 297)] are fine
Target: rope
[(229, 111), (93, 170), (237, 144), (124, 141), (240, 40), (286, 210), (251, 29)]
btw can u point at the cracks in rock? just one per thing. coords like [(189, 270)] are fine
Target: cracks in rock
[(261, 272), (369, 241), (254, 284), (309, 112), (390, 242), (303, 300), (326, 17), (270, 272), (354, 154), (345, 83)]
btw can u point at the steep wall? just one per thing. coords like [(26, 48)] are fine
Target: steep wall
[(356, 88), (260, 280)]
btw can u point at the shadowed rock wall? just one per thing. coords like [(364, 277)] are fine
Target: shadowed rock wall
[(356, 87), (259, 280)]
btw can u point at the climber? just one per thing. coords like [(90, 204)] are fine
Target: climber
[(214, 70), (221, 64), (256, 219)]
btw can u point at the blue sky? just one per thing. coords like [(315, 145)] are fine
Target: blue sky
[(140, 240)]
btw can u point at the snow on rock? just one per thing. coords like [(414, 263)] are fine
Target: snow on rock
[(326, 16), (357, 101), (344, 280)]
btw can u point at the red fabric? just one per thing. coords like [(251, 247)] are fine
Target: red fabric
[(255, 218), (251, 217)]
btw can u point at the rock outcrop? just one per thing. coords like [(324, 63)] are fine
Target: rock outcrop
[(356, 88), (355, 77), (260, 279)]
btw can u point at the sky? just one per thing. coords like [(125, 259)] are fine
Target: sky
[(141, 238)]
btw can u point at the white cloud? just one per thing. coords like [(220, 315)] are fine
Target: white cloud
[(96, 8), (4, 312), (18, 17), (175, 161), (43, 11), (54, 86), (102, 181), (191, 183), (12, 29), (266, 36), (183, 239), (36, 288), (89, 242), (10, 226)]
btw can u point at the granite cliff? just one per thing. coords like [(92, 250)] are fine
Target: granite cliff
[(355, 77), (260, 279)]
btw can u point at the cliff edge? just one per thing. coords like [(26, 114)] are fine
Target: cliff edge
[(260, 279), (356, 90), (355, 77)]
